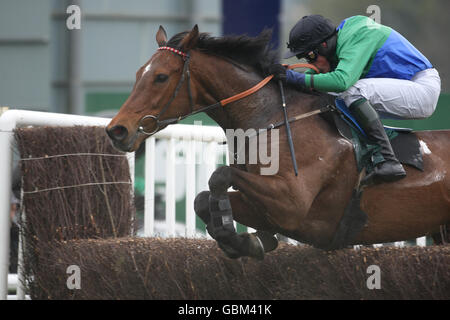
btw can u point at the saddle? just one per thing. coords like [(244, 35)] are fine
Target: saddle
[(404, 142)]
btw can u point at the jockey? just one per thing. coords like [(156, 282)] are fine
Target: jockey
[(373, 68)]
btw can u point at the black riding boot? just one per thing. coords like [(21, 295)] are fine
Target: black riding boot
[(391, 169)]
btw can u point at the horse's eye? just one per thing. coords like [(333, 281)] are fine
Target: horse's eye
[(161, 77)]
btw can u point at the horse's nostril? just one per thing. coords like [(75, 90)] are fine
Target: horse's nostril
[(117, 133)]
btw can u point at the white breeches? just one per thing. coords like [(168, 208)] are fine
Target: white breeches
[(398, 99)]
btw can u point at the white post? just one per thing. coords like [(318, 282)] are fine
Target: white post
[(211, 167), (20, 291), (6, 138), (13, 280), (149, 202), (421, 242), (399, 244), (190, 188), (170, 188), (131, 165), (211, 149)]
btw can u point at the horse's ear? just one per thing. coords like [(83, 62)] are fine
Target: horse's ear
[(190, 40), (161, 36)]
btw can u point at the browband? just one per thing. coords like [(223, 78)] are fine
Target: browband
[(181, 53)]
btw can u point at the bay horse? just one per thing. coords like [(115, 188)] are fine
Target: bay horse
[(193, 70)]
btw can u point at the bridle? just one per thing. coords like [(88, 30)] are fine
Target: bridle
[(186, 75)]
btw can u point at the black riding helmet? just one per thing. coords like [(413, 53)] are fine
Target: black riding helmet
[(308, 33)]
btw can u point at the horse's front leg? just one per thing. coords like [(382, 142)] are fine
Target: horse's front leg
[(247, 244), (218, 206)]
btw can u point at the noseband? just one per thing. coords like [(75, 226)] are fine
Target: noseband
[(186, 75)]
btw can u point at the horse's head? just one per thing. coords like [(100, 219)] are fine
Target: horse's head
[(161, 94)]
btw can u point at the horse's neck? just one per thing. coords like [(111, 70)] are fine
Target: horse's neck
[(265, 107), (256, 111)]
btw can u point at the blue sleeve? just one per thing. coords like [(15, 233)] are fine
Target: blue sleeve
[(296, 79)]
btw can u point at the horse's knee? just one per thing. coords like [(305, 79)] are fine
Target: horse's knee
[(220, 180), (201, 206)]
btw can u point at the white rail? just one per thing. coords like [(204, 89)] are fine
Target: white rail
[(191, 138)]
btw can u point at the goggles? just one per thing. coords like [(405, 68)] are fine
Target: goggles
[(310, 56)]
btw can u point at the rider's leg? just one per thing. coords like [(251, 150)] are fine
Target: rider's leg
[(392, 98), (367, 117), (396, 98)]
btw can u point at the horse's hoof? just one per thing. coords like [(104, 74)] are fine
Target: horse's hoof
[(253, 246)]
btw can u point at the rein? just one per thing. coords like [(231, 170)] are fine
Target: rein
[(222, 103)]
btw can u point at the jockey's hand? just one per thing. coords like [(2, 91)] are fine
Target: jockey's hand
[(278, 71)]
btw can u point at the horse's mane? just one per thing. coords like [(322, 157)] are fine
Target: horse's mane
[(255, 52)]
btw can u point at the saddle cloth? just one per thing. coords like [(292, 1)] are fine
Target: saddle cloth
[(403, 140)]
